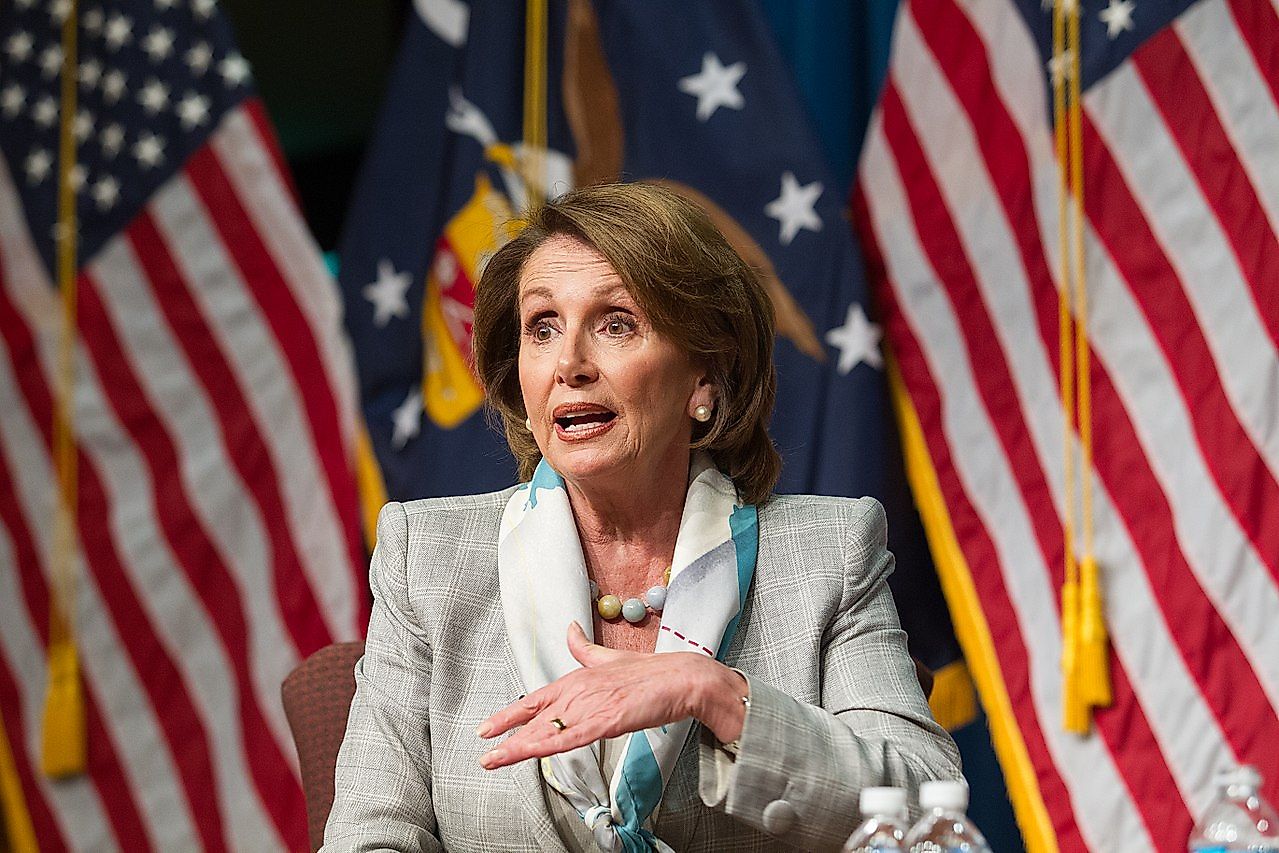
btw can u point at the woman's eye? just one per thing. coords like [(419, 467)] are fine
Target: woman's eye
[(542, 332), (618, 326)]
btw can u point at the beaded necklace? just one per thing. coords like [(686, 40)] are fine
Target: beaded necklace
[(632, 610)]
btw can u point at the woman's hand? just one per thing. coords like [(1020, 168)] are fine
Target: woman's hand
[(614, 693)]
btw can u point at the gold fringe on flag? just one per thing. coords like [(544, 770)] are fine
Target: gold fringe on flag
[(368, 479), (1085, 648), (954, 697), (63, 744), (15, 819), (971, 628)]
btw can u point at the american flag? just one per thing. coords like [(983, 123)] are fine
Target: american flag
[(213, 417), (958, 203)]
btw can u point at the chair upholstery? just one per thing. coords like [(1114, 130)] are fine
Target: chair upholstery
[(317, 698)]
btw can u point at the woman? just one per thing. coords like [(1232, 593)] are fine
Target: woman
[(758, 679)]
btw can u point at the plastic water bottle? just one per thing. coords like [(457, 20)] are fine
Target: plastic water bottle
[(883, 829), (944, 828), (1238, 819)]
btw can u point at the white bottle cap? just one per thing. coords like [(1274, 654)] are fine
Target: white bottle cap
[(1245, 776), (883, 801), (943, 794)]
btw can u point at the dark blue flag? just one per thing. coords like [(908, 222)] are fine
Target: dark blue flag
[(692, 95)]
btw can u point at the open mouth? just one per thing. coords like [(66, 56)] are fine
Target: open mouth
[(582, 420)]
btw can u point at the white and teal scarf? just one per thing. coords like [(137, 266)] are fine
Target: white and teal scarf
[(545, 587)]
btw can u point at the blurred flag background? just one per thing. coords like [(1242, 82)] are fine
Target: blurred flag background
[(213, 538), (191, 375)]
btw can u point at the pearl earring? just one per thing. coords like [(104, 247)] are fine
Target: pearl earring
[(528, 424), (702, 414)]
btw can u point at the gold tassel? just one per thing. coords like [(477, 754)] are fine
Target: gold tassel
[(1093, 659), (1074, 712), (62, 747)]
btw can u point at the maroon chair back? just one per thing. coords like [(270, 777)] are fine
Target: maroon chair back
[(317, 698)]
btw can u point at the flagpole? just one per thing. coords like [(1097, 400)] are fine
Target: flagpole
[(535, 73), (63, 744)]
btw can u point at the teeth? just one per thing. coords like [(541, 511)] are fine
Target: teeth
[(579, 421)]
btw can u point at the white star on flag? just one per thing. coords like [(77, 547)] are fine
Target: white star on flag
[(199, 57), (154, 96), (119, 31), (105, 192), (92, 21), (83, 125), (387, 294), (19, 46), (1117, 17), (12, 99), (112, 137), (158, 44), (857, 341), (45, 112), (90, 73), (234, 69), (193, 109), (51, 60), (407, 418), (149, 150), (794, 207), (113, 86), (38, 164), (1059, 66), (714, 86)]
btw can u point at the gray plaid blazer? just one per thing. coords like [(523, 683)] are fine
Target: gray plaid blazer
[(835, 704)]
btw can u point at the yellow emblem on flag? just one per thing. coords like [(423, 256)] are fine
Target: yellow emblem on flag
[(450, 391)]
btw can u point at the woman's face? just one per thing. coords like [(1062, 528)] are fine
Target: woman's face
[(607, 395)]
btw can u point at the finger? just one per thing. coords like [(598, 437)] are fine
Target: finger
[(517, 713), (538, 740), (585, 652)]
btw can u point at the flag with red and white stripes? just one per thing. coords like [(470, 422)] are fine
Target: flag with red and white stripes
[(958, 207), (213, 421)]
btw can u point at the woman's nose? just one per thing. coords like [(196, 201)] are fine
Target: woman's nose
[(575, 366)]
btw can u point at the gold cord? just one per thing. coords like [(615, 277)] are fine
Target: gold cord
[(1085, 662), (63, 744)]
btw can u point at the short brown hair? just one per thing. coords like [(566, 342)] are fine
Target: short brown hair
[(696, 290)]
